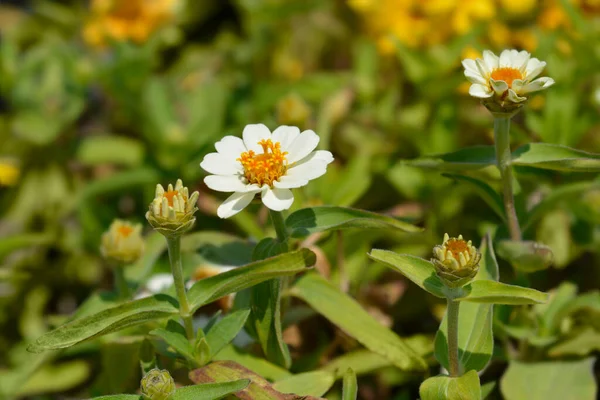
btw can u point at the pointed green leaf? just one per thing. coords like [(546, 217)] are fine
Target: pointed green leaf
[(328, 218), (210, 289), (210, 391), (501, 293), (556, 157), (444, 387), (351, 317), (111, 320), (120, 150), (580, 344), (315, 383), (350, 386), (475, 338), (176, 339), (469, 158), (526, 255), (560, 380), (418, 270), (254, 363), (487, 389), (268, 247), (360, 361), (225, 330), (487, 193)]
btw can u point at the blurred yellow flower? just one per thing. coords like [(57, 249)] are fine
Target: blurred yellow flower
[(123, 20), (519, 7), (122, 242), (9, 173)]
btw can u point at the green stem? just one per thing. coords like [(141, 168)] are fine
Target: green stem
[(121, 283), (174, 245), (452, 314), (340, 260), (279, 224), (503, 160)]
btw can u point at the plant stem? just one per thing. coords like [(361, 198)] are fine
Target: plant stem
[(174, 245), (503, 160), (340, 260), (279, 224), (121, 282), (452, 314)]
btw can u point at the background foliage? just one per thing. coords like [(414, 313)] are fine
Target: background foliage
[(93, 114)]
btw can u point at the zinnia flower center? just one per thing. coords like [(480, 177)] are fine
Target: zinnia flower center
[(170, 194), (456, 247), (125, 230), (267, 167), (506, 74)]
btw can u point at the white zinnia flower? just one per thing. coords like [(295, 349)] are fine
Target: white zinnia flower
[(265, 163), (509, 77)]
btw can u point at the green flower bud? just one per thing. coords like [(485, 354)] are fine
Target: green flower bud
[(172, 212), (122, 242), (158, 384), (456, 261)]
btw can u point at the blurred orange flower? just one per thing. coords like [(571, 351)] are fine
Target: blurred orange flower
[(123, 20)]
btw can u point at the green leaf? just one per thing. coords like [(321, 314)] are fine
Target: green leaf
[(202, 351), (556, 157), (487, 389), (210, 289), (350, 386), (351, 317), (527, 255), (56, 378), (580, 344), (492, 292), (176, 339), (560, 380), (470, 158), (487, 193), (258, 389), (551, 316), (210, 391), (444, 387), (119, 397), (360, 361), (261, 366), (119, 181), (315, 383), (328, 218), (475, 337), (225, 330), (95, 150), (17, 242), (111, 320), (418, 270), (268, 247)]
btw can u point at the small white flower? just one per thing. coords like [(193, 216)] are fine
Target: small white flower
[(509, 77), (265, 163)]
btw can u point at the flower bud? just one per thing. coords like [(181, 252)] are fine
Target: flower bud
[(158, 384), (172, 212), (122, 242), (456, 261)]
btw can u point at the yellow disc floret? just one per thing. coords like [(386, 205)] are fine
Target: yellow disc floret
[(264, 169), (456, 261), (506, 74)]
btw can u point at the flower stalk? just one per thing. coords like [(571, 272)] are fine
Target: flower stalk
[(452, 317), (279, 225), (121, 283), (503, 160), (174, 246)]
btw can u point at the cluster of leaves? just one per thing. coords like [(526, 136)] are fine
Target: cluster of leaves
[(95, 130)]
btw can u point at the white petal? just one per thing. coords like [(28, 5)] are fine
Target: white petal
[(159, 282), (322, 155), (253, 134), (499, 86), (490, 59), (285, 135), (277, 199), (481, 91), (231, 147), (475, 77), (308, 170), (226, 183), (219, 164), (470, 65), (290, 182), (483, 68), (234, 204), (512, 96), (521, 60), (306, 142), (537, 85), (534, 68), (505, 59)]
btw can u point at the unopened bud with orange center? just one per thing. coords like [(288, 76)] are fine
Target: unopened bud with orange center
[(456, 261), (123, 242), (171, 213)]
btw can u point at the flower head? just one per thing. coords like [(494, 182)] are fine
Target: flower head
[(122, 20), (172, 211), (122, 242), (504, 82), (456, 261), (263, 162), (158, 384)]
